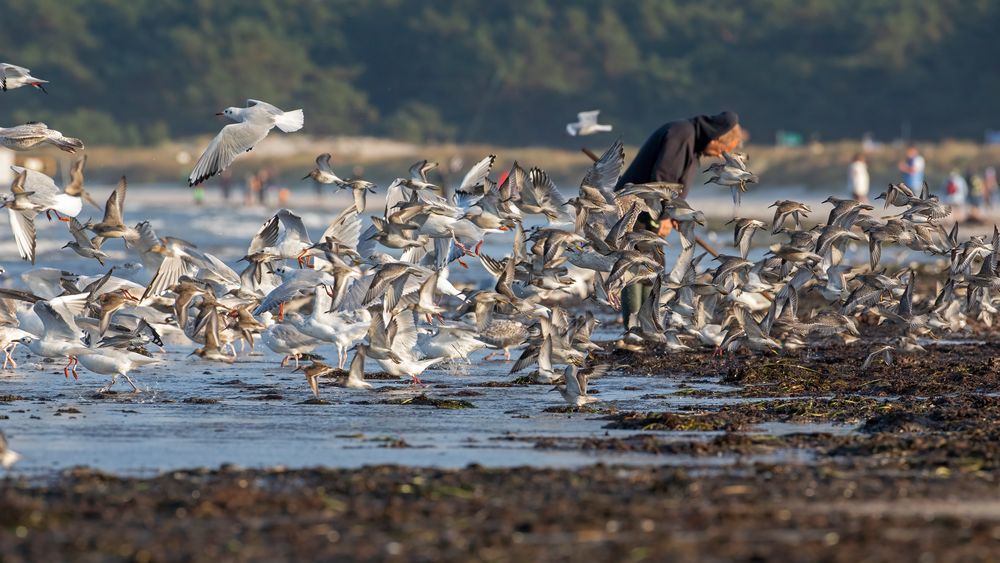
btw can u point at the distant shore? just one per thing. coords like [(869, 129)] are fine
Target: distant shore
[(815, 167)]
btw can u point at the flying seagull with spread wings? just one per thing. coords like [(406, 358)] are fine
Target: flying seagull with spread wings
[(253, 123)]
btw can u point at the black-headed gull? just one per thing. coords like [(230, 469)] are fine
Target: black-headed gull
[(13, 76), (253, 123)]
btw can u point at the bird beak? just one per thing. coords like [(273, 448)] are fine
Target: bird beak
[(299, 368), (556, 388), (218, 113), (307, 176)]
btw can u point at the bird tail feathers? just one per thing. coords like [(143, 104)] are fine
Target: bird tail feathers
[(290, 121)]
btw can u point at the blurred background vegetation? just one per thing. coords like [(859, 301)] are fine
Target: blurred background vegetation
[(138, 72)]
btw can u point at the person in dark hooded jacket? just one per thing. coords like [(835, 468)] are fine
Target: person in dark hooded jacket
[(671, 154)]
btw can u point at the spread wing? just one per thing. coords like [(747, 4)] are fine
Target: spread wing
[(114, 209), (11, 71), (76, 229), (234, 140), (37, 182), (58, 315), (345, 229), (585, 118), (23, 225), (295, 229), (477, 175), (264, 106), (323, 162), (405, 337), (266, 236), (170, 271), (605, 172), (542, 192)]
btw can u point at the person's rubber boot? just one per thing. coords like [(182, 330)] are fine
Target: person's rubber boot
[(632, 297)]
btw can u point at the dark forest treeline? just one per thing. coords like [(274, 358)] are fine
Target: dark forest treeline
[(140, 71)]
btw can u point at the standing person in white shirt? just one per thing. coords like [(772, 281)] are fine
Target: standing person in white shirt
[(857, 178)]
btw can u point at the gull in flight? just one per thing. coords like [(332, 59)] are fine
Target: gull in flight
[(34, 134), (253, 123), (13, 76), (586, 124)]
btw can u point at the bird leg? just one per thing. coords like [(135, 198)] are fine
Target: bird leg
[(301, 258), (297, 356), (130, 382), (281, 312), (478, 246), (71, 366), (9, 358), (416, 380), (284, 361), (74, 361), (341, 353)]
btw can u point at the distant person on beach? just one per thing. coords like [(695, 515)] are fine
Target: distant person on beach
[(857, 178), (226, 183), (912, 167), (253, 190), (671, 154), (955, 191), (265, 177), (990, 184), (977, 195)]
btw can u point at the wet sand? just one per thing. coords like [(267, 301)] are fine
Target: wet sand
[(905, 470), (752, 512)]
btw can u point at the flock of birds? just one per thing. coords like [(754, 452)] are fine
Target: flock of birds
[(380, 287)]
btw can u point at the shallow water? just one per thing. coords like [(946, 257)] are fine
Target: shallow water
[(156, 430)]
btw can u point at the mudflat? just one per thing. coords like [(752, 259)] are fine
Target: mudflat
[(911, 474)]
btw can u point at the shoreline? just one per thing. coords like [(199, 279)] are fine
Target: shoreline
[(820, 166), (910, 471)]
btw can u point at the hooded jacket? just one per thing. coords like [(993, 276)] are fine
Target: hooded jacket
[(671, 153)]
